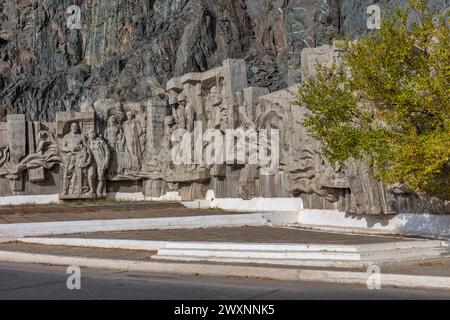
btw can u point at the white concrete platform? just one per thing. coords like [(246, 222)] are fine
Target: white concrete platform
[(426, 225), (20, 230), (314, 255), (325, 255)]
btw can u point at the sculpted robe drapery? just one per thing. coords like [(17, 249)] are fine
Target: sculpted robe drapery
[(132, 132)]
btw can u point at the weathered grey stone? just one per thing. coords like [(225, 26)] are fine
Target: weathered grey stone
[(76, 161), (325, 55), (125, 50), (17, 136)]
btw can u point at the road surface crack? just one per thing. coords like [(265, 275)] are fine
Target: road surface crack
[(32, 286)]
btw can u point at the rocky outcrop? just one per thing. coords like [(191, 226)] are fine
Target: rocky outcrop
[(126, 49)]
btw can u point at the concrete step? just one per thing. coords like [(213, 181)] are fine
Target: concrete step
[(278, 262), (21, 230), (259, 254), (289, 254), (308, 255), (303, 254), (300, 247)]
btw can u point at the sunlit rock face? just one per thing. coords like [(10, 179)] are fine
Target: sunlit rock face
[(127, 49)]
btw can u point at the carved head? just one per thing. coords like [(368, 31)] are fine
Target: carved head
[(182, 98), (239, 97), (169, 123), (43, 135), (92, 135), (169, 120), (75, 128), (131, 115), (214, 90), (113, 121)]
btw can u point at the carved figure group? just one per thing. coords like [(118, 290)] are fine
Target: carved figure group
[(85, 161), (126, 140)]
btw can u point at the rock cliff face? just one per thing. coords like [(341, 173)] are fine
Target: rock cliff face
[(127, 49)]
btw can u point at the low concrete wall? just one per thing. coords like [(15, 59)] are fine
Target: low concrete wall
[(20, 230), (120, 196), (259, 204), (427, 225), (54, 198), (38, 199), (139, 196)]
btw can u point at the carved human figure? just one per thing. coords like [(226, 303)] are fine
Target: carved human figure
[(245, 119), (113, 132), (45, 142), (302, 173), (76, 159), (246, 180), (178, 111), (101, 154), (190, 114), (216, 112), (133, 131), (115, 138), (165, 160), (141, 117)]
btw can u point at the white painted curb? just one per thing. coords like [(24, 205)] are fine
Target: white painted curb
[(21, 230), (140, 245), (116, 196), (288, 274)]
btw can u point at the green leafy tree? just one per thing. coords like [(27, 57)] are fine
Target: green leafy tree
[(388, 101)]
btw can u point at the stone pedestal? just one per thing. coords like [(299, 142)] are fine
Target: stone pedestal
[(155, 188)]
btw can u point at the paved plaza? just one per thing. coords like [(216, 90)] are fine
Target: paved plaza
[(242, 234), (99, 210)]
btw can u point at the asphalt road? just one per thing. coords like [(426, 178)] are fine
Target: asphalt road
[(37, 282)]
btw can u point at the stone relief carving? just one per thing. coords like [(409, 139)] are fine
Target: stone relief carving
[(113, 144), (76, 161), (46, 156), (216, 110), (101, 160), (133, 132)]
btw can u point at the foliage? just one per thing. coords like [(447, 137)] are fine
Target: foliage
[(389, 99)]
